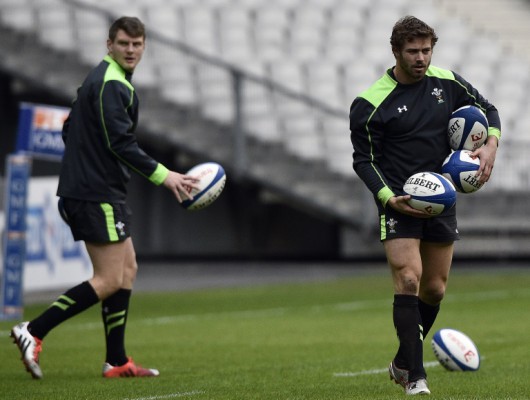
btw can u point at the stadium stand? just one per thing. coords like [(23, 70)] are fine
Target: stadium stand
[(283, 73)]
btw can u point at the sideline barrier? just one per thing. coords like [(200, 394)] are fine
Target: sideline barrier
[(34, 235)]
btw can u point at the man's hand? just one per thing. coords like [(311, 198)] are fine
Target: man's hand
[(486, 155), (399, 203), (181, 185)]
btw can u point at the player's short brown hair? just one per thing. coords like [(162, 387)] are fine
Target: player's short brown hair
[(409, 28), (132, 26)]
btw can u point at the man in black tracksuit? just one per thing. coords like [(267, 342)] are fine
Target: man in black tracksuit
[(399, 128), (100, 152)]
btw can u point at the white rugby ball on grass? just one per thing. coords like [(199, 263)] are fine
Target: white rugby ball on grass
[(212, 182), (430, 192), (455, 350)]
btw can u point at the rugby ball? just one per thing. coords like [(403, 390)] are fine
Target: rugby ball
[(467, 129), (430, 192), (460, 168), (212, 182), (455, 350)]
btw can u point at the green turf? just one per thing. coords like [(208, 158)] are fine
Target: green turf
[(330, 340)]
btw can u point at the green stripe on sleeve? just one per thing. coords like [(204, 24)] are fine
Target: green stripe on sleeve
[(111, 224), (494, 132), (159, 175), (384, 195)]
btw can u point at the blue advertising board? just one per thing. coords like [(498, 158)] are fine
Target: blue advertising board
[(40, 130), (39, 135), (18, 170)]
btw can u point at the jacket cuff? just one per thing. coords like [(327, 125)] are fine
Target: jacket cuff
[(384, 195), (495, 132), (159, 175)]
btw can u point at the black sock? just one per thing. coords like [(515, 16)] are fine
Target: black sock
[(428, 315), (114, 311), (72, 302), (407, 322)]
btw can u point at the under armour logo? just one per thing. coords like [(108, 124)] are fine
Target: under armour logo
[(401, 109)]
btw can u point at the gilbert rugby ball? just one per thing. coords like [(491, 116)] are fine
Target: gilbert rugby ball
[(455, 350), (467, 129), (430, 192), (212, 182), (461, 170)]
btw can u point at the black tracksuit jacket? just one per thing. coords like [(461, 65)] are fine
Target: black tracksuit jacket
[(398, 130), (100, 144)]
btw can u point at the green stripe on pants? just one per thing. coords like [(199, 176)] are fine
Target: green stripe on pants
[(111, 224), (383, 227)]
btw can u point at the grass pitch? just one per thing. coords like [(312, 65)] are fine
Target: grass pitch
[(327, 340)]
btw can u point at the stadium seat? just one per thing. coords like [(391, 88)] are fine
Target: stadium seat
[(166, 21), (215, 90), (484, 48), (516, 70), (309, 17), (479, 74), (521, 128), (17, 14), (448, 56), (263, 127), (200, 29), (256, 100), (270, 37), (289, 73), (337, 145), (235, 35), (301, 137), (147, 75), (347, 15), (178, 84), (55, 28), (357, 77), (305, 43), (453, 32), (323, 83), (426, 10), (93, 48)]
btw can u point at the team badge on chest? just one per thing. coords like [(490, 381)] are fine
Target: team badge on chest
[(438, 94)]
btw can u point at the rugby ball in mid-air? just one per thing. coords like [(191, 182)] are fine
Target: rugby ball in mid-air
[(460, 168), (430, 192), (212, 182), (455, 350), (467, 129)]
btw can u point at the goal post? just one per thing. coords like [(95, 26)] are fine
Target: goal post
[(35, 239)]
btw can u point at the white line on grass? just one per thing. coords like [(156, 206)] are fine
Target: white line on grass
[(359, 305), (243, 314), (429, 364), (167, 396), (279, 311)]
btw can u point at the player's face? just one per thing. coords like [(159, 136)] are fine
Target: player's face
[(126, 51), (413, 60)]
